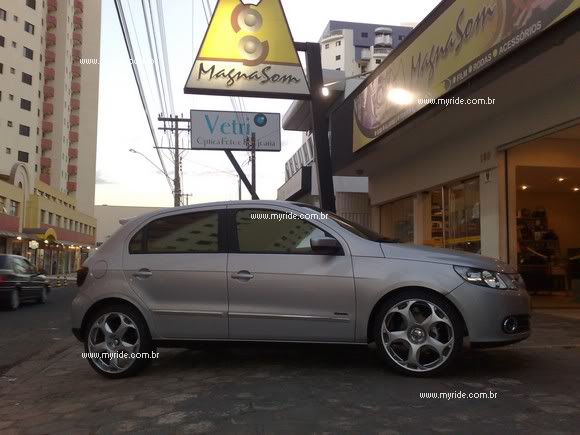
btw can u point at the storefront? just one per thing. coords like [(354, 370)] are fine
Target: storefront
[(451, 174)]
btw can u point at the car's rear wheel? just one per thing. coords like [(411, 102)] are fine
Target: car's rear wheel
[(113, 336), (14, 301), (418, 333), (43, 296)]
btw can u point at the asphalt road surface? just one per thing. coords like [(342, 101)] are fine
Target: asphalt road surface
[(33, 327)]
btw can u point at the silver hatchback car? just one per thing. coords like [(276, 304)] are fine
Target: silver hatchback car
[(287, 272)]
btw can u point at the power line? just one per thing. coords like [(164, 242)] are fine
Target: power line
[(165, 53), (127, 38)]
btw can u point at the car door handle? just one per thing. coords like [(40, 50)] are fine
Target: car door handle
[(243, 275), (143, 273)]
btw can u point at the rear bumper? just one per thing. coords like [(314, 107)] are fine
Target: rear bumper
[(80, 306), (486, 310)]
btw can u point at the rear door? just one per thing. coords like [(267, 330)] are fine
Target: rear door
[(23, 276), (177, 265), (279, 289)]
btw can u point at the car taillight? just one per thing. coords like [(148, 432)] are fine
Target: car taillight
[(3, 278), (82, 274)]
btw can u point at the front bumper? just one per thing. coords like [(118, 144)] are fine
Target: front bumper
[(486, 310)]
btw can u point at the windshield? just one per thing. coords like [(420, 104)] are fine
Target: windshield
[(353, 227)]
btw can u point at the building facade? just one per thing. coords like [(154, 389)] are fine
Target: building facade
[(490, 162), (48, 130), (356, 48)]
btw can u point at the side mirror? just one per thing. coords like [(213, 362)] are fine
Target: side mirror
[(325, 245)]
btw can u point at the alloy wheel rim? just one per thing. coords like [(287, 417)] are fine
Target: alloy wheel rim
[(112, 340), (417, 335)]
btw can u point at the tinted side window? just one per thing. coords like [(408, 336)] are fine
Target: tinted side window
[(264, 231), (20, 266), (185, 233)]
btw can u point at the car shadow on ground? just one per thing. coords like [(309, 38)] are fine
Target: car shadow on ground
[(330, 359)]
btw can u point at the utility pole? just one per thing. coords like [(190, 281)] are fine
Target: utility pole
[(174, 128), (239, 188)]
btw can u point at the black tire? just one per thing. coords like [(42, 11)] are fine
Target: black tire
[(445, 306), (146, 344), (43, 296)]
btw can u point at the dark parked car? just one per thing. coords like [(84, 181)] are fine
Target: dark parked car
[(21, 281)]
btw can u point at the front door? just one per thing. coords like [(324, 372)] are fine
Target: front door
[(177, 266), (279, 289)]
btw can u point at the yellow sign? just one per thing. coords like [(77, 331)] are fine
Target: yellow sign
[(248, 51), (466, 38)]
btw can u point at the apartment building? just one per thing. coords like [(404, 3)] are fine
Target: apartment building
[(356, 48), (48, 129)]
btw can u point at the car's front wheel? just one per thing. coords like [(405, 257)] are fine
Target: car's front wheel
[(418, 333), (117, 341)]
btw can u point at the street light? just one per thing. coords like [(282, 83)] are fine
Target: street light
[(150, 161), (327, 86)]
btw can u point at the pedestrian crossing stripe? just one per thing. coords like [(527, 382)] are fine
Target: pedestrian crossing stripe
[(248, 50)]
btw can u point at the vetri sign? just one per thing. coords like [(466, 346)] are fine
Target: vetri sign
[(248, 50), (466, 38), (235, 131)]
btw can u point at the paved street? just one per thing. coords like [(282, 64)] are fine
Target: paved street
[(291, 389), (34, 327)]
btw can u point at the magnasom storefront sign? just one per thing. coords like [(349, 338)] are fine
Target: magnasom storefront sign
[(248, 50), (467, 37)]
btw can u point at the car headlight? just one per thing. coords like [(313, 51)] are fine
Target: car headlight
[(491, 279)]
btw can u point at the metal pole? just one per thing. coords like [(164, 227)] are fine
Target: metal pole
[(177, 179), (254, 162), (320, 127), (239, 188)]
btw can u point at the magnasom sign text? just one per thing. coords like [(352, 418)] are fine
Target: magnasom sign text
[(464, 39)]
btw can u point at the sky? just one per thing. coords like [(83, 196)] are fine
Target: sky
[(129, 179)]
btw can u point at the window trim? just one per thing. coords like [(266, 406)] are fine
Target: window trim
[(234, 247), (143, 227)]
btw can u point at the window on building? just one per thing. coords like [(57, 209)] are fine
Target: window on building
[(15, 18), (365, 34), (12, 71), (338, 43), (24, 130), (2, 40), (9, 123), (58, 218), (401, 37), (181, 234), (338, 57), (3, 209), (25, 104), (23, 156), (2, 14), (13, 44), (397, 220), (1, 68), (11, 98), (50, 218), (28, 27), (31, 4), (274, 236), (26, 78), (13, 208), (327, 46), (28, 53), (378, 61)]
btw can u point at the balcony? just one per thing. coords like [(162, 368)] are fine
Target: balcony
[(73, 153), (47, 109), (48, 74), (50, 39), (76, 71), (73, 136), (45, 178), (78, 7), (78, 22), (76, 88), (50, 56), (77, 38), (46, 144), (50, 22), (71, 186), (46, 126), (365, 55), (52, 5), (74, 120), (45, 162), (75, 104), (72, 169), (76, 54)]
